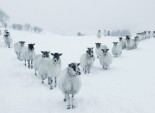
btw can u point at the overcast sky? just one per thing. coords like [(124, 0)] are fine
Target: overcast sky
[(69, 16)]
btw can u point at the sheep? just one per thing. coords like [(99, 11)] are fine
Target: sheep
[(54, 69), (28, 55), (135, 42), (153, 34), (38, 59), (105, 59), (99, 34), (87, 60), (70, 83), (122, 42), (7, 39), (129, 43), (50, 68), (18, 46), (117, 49), (98, 49)]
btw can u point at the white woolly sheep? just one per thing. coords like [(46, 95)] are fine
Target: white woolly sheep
[(105, 59), (54, 69), (122, 42), (7, 39), (135, 42), (129, 43), (28, 54), (98, 49), (38, 59), (87, 60), (117, 49), (70, 83), (18, 46), (99, 34)]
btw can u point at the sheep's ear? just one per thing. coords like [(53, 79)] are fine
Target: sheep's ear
[(107, 50), (33, 44), (78, 64), (23, 41), (113, 42), (102, 49), (52, 54), (48, 51), (60, 54), (92, 48), (19, 41), (42, 51), (69, 65)]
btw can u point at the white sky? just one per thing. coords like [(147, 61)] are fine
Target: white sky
[(69, 16)]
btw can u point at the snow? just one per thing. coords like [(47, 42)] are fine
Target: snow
[(126, 87)]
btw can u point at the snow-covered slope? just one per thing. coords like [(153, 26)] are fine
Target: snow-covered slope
[(127, 87)]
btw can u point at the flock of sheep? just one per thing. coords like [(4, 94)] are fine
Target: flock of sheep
[(69, 79)]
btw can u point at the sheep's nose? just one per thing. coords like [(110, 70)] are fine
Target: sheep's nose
[(55, 60)]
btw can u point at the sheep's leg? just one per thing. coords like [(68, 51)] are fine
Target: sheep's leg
[(28, 61), (66, 97), (35, 72), (51, 87), (73, 103), (88, 69), (25, 62), (49, 80), (69, 102), (42, 79), (31, 64), (55, 81)]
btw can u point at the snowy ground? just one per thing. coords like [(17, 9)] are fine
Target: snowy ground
[(127, 87)]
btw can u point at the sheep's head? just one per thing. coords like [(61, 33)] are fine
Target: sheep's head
[(120, 38), (90, 52), (127, 37), (115, 43), (22, 43), (31, 46), (98, 45), (74, 69), (136, 38), (45, 54), (105, 51), (56, 57)]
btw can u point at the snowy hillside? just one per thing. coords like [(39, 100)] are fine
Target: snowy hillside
[(126, 87)]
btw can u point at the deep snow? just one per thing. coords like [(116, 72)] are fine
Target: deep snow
[(127, 87)]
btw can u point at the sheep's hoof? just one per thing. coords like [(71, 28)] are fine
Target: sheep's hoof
[(68, 107), (31, 67), (42, 82), (35, 74), (65, 100), (49, 83), (51, 87), (73, 106)]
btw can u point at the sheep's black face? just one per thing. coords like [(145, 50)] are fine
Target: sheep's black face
[(115, 43), (31, 47), (22, 43), (136, 38), (127, 36), (74, 69), (45, 54), (105, 51), (90, 52), (56, 57), (128, 39), (120, 38), (98, 45)]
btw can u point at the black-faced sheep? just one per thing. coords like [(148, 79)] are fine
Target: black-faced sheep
[(70, 83)]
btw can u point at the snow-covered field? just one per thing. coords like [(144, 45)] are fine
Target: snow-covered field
[(127, 87)]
